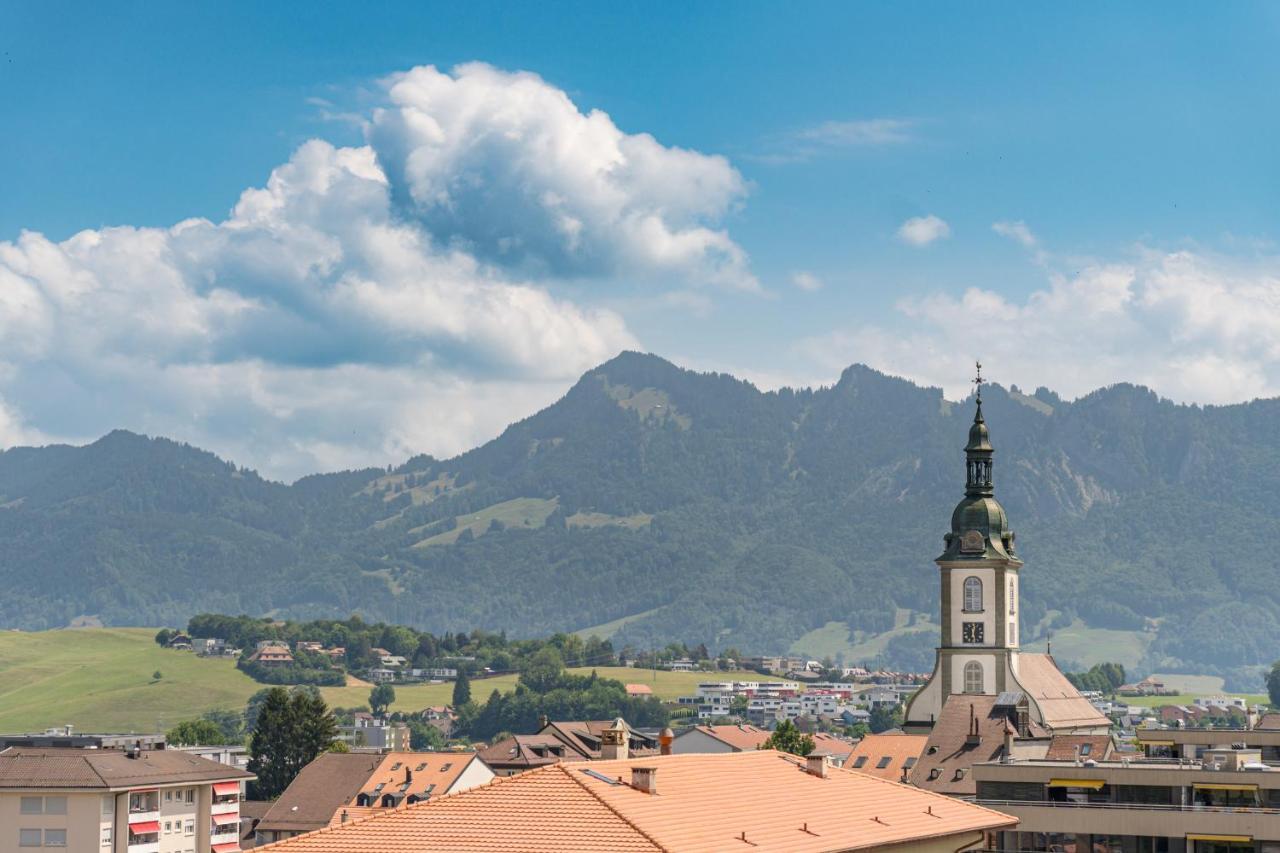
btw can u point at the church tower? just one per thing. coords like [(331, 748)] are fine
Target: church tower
[(978, 652)]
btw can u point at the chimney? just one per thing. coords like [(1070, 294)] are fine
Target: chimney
[(973, 738), (815, 764), (344, 815), (615, 741), (542, 721), (645, 779), (1007, 758), (408, 776)]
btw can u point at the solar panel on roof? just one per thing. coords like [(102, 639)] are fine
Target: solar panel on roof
[(603, 778)]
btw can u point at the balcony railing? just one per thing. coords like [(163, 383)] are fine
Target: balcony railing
[(1157, 807)]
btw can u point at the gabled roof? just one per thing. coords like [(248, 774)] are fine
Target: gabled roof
[(524, 752), (1060, 703), (321, 789), (334, 782), (107, 769), (886, 755), (1268, 722), (585, 736), (704, 802)]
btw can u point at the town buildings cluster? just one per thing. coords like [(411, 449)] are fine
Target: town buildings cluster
[(997, 751)]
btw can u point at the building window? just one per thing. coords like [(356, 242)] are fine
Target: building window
[(106, 836), (972, 595), (190, 828), (1013, 597), (191, 795), (55, 805), (55, 838), (32, 805), (108, 805), (28, 838), (973, 677)]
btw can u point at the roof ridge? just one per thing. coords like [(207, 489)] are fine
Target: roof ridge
[(583, 785)]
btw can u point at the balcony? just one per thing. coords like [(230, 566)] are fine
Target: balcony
[(145, 847), (228, 807), (1155, 821)]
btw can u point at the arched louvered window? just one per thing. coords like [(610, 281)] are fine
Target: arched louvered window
[(973, 677), (972, 595)]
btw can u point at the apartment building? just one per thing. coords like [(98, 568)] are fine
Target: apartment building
[(1223, 802), (117, 801)]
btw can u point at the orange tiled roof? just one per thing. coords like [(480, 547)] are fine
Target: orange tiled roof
[(741, 737), (704, 802), (902, 752)]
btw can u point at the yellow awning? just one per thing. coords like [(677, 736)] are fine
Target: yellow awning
[(1214, 786), (1144, 742), (1091, 784), (1243, 839)]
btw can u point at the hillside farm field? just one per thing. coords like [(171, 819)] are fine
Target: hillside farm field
[(100, 679)]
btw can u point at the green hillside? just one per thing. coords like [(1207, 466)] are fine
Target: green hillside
[(670, 505), (100, 680)]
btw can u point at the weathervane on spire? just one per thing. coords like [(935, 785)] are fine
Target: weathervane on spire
[(977, 381)]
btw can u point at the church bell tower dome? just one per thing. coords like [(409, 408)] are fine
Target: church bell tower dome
[(979, 526)]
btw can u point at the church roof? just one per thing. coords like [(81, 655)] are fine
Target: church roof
[(1060, 703), (950, 752)]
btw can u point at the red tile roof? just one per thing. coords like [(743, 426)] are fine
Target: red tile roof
[(704, 802)]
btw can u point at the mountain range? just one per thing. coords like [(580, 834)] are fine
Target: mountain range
[(657, 504)]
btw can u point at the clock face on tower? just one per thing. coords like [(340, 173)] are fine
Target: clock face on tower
[(972, 632)]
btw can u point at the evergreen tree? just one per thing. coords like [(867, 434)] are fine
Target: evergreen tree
[(1273, 684), (461, 689), (269, 748), (290, 732)]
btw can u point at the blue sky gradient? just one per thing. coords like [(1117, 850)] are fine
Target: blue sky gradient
[(1136, 137)]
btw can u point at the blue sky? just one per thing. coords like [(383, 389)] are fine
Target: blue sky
[(1080, 194)]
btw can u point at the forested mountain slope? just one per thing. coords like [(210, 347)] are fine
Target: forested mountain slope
[(704, 509)]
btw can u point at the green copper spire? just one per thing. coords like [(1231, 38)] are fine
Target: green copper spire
[(978, 451), (979, 528)]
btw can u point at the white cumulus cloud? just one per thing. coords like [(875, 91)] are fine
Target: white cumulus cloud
[(806, 281), (1193, 327), (366, 302), (920, 231), (1016, 231)]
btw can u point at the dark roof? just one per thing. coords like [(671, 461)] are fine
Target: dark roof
[(323, 787), (944, 766), (36, 767)]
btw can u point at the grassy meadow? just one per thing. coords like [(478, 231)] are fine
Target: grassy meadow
[(100, 679)]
